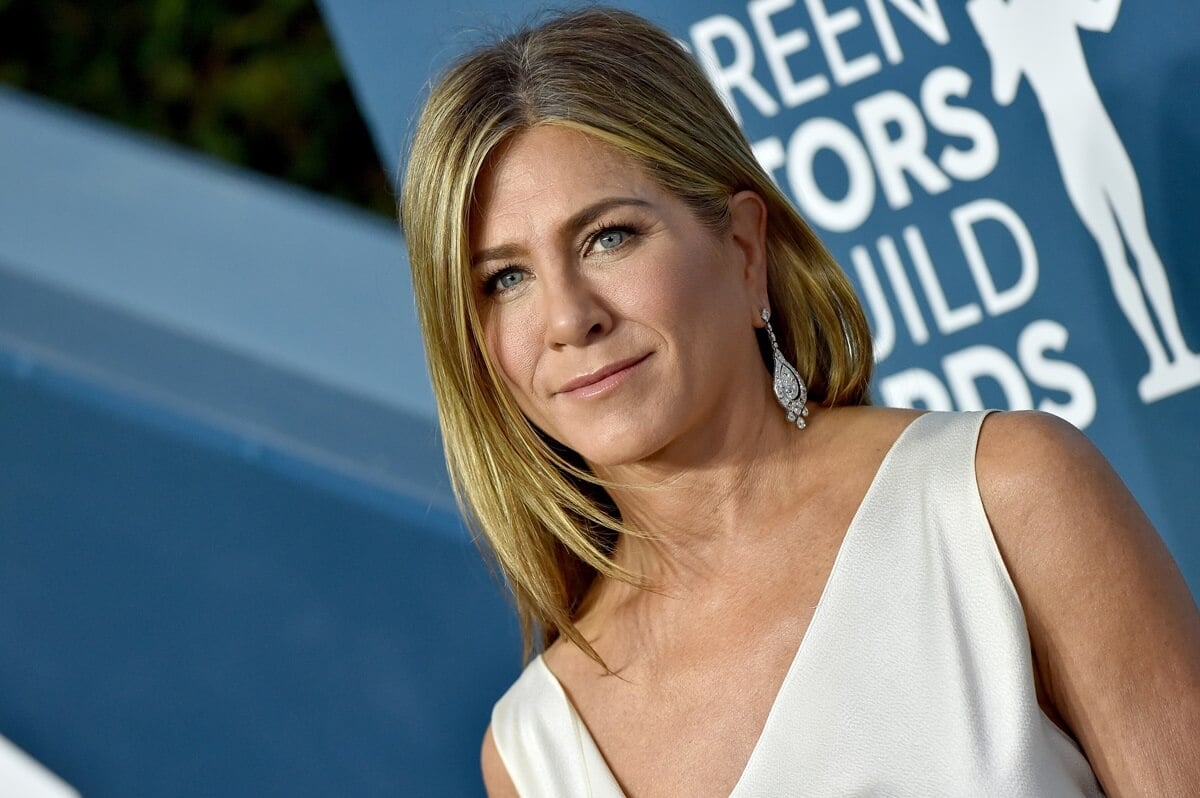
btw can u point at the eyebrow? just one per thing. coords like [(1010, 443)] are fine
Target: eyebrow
[(577, 221)]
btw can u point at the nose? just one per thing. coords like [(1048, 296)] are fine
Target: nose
[(575, 314)]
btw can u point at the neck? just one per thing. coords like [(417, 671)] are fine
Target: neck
[(710, 497)]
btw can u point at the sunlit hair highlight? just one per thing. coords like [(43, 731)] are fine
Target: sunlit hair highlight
[(611, 75)]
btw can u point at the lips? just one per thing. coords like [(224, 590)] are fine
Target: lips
[(601, 377)]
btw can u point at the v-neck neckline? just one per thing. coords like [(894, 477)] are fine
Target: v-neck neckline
[(585, 735)]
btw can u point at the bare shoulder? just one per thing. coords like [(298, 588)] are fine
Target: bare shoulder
[(496, 780), (1062, 517), (869, 427), (1018, 445), (1114, 630), (1055, 504), (848, 444)]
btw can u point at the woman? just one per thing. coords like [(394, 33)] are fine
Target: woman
[(734, 597)]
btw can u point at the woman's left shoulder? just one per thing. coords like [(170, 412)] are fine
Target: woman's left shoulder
[(1060, 514), (1113, 627), (1048, 491), (1017, 450)]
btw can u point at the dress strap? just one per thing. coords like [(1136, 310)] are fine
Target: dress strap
[(543, 742)]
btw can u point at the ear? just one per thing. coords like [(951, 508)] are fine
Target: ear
[(748, 234)]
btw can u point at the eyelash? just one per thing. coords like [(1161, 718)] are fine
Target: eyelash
[(608, 227), (491, 281)]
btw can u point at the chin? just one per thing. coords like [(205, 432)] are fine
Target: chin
[(614, 436), (610, 447), (612, 458)]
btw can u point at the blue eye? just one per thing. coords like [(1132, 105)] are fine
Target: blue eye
[(509, 278), (503, 280), (611, 238)]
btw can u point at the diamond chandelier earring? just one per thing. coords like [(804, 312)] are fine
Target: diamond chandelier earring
[(790, 389)]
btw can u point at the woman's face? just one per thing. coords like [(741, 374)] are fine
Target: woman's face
[(620, 323)]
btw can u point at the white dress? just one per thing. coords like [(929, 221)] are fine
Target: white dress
[(914, 677)]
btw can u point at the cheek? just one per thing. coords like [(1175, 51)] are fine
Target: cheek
[(681, 292), (513, 345)]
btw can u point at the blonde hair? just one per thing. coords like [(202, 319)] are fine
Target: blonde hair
[(614, 76)]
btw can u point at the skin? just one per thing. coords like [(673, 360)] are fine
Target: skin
[(694, 433)]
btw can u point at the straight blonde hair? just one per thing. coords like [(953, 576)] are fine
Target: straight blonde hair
[(614, 76)]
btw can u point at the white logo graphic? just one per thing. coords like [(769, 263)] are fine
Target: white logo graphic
[(22, 775), (1040, 40)]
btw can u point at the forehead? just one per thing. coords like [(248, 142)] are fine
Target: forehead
[(547, 173)]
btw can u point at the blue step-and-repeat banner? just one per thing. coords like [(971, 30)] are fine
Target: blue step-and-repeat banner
[(229, 563)]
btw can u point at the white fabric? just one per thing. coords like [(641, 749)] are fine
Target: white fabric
[(914, 678)]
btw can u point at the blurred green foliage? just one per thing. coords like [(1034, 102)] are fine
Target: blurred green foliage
[(258, 84)]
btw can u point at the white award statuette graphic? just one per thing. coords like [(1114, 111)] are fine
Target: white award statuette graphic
[(21, 775), (1040, 40)]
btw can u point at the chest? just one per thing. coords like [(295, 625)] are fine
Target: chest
[(687, 730), (684, 714), (889, 687), (685, 722)]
